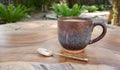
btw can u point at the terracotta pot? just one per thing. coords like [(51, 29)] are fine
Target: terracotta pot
[(75, 33)]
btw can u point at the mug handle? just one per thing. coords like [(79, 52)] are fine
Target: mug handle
[(102, 34)]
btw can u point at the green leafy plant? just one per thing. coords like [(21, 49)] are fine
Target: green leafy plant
[(13, 13), (62, 10), (90, 8), (36, 5), (100, 7)]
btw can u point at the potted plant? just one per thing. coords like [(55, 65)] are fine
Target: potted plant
[(74, 33)]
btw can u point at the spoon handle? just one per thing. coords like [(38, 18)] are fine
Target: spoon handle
[(73, 57)]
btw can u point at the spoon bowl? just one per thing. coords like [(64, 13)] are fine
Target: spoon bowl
[(44, 52)]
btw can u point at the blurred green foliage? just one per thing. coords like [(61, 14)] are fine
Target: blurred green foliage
[(90, 8), (62, 10), (13, 13), (36, 4), (105, 3)]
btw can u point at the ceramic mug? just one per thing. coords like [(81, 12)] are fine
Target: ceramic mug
[(75, 33)]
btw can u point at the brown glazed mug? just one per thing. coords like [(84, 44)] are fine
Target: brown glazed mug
[(74, 33)]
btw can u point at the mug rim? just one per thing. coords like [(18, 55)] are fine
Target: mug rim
[(64, 18)]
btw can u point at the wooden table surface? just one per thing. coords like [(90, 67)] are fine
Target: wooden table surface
[(19, 41)]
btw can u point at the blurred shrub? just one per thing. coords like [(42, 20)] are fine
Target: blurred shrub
[(106, 3), (62, 10), (100, 7), (90, 8), (36, 4), (13, 13)]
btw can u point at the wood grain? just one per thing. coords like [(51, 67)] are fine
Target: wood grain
[(19, 41)]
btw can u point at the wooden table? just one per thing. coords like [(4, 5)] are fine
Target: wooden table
[(19, 41)]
